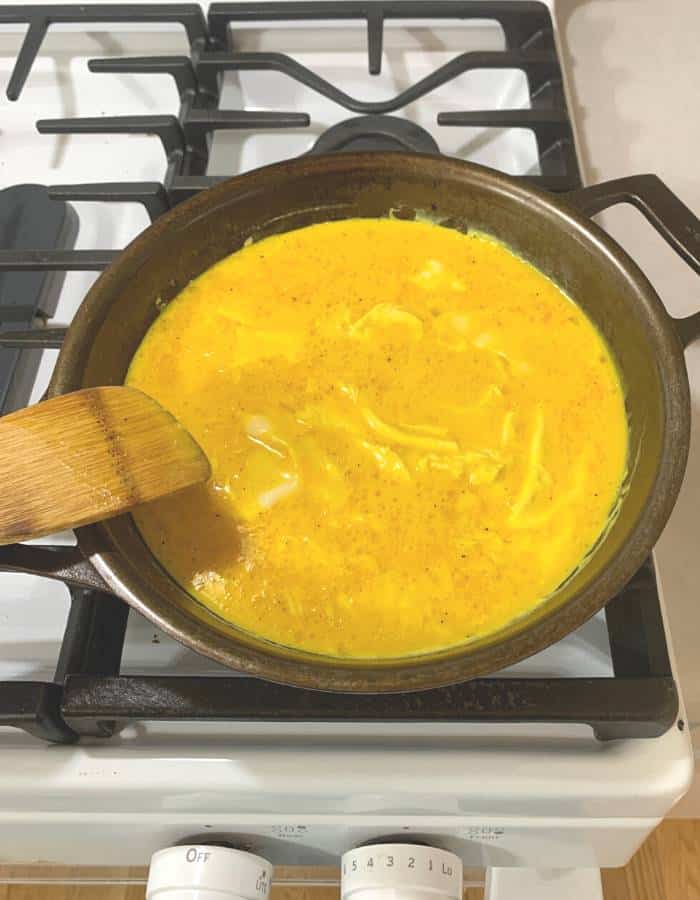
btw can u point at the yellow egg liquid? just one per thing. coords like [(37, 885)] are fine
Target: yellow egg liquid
[(414, 435)]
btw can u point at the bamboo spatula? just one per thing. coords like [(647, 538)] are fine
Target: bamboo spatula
[(88, 456)]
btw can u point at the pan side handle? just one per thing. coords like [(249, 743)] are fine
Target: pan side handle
[(673, 220), (66, 564)]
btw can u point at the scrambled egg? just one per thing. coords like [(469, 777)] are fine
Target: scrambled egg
[(414, 435)]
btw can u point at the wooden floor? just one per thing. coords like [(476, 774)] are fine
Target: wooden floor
[(666, 868)]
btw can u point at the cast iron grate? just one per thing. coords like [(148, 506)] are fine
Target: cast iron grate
[(89, 696)]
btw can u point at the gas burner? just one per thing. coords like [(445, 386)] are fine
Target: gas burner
[(376, 133)]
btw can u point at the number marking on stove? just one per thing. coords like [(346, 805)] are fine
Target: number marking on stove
[(410, 862)]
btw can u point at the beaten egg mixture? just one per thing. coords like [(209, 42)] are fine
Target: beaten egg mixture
[(414, 436)]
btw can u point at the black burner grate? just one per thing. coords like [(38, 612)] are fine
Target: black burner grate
[(88, 695), (185, 138)]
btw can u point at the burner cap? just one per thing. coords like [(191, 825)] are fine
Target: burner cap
[(375, 133)]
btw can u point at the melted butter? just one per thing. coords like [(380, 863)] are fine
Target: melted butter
[(415, 437)]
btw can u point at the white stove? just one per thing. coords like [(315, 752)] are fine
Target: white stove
[(501, 796)]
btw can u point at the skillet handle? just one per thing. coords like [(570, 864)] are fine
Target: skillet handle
[(677, 224), (66, 564)]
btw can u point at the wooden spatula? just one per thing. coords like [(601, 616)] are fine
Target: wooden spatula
[(87, 456)]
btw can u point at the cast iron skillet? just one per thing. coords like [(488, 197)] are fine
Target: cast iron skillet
[(551, 232)]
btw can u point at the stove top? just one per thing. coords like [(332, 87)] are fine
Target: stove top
[(249, 84)]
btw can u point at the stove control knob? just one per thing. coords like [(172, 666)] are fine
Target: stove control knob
[(201, 872), (400, 872)]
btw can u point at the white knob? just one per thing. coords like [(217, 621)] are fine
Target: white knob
[(400, 872), (201, 872)]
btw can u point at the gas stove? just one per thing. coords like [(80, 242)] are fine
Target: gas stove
[(567, 759)]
